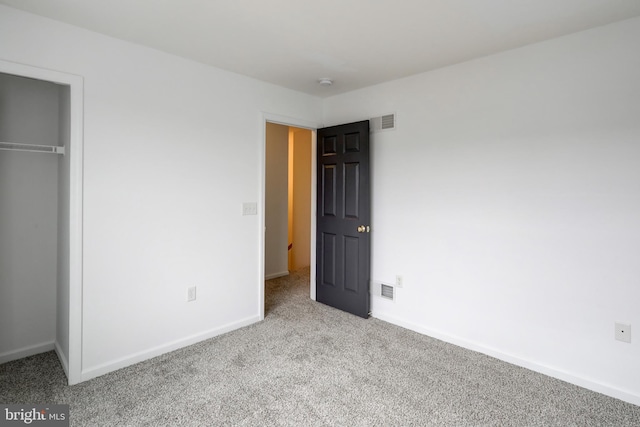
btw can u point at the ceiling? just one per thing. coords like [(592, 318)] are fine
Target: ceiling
[(356, 43)]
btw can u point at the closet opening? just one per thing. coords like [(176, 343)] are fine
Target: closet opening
[(40, 215)]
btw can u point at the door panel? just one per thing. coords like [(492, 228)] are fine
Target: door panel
[(329, 190), (343, 249), (328, 253), (351, 190), (351, 255)]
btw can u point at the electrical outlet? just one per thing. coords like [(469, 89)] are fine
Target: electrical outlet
[(399, 280), (191, 294), (623, 332)]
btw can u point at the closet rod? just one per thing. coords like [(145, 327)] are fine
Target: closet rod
[(14, 146)]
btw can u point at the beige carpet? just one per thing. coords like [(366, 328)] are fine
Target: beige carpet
[(310, 365)]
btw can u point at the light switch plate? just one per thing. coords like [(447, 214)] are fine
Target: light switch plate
[(249, 208)]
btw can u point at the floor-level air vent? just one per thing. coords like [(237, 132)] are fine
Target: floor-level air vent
[(386, 291), (386, 122)]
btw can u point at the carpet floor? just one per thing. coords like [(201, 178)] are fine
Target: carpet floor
[(307, 364)]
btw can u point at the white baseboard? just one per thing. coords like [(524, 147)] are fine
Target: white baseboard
[(276, 275), (105, 368), (62, 358), (26, 352), (560, 374)]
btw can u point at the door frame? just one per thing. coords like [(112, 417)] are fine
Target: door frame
[(72, 366), (303, 124)]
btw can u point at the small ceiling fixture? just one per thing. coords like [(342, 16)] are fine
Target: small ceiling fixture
[(325, 81)]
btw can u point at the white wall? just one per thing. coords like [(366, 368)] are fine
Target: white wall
[(28, 217), (276, 201), (509, 199), (171, 150)]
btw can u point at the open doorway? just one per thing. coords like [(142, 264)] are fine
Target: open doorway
[(289, 239), (287, 199)]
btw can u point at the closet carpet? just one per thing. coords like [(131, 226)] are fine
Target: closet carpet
[(310, 365)]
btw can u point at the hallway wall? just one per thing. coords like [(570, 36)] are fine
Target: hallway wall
[(301, 201), (276, 201)]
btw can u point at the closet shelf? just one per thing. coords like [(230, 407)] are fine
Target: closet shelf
[(14, 146)]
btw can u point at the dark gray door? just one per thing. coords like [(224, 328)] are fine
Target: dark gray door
[(343, 218)]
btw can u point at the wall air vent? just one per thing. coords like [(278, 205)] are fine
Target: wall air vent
[(381, 290), (383, 123), (386, 291)]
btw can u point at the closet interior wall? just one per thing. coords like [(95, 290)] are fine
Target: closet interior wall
[(32, 222)]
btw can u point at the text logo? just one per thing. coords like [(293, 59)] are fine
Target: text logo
[(34, 415)]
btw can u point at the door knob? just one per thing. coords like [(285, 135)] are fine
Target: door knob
[(364, 229)]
